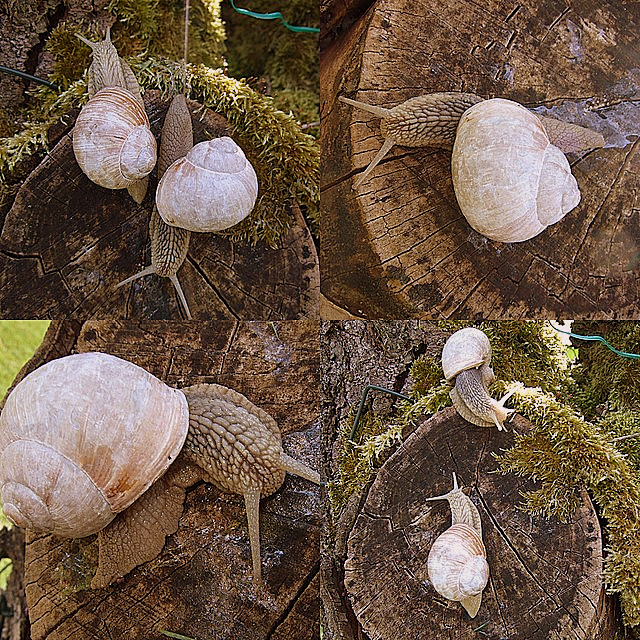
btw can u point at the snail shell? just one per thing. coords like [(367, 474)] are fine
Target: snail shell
[(112, 141), (212, 188), (457, 566), (70, 459), (467, 348), (510, 181), (466, 356)]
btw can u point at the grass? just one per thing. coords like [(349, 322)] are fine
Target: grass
[(18, 341)]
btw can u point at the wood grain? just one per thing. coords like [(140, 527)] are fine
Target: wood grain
[(398, 245)]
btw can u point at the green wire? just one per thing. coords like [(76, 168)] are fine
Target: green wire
[(598, 339), (275, 15)]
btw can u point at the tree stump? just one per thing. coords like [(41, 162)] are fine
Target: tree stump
[(66, 243), (545, 577), (201, 585), (398, 245)]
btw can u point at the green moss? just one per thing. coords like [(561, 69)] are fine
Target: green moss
[(608, 382)]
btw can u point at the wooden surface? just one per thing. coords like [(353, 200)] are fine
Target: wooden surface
[(201, 584), (545, 577), (67, 242), (398, 245)]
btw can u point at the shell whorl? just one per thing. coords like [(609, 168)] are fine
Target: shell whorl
[(511, 183), (112, 141), (212, 188), (83, 430), (467, 348)]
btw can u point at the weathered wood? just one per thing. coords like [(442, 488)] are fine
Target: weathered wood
[(398, 245), (67, 242), (201, 585), (545, 577)]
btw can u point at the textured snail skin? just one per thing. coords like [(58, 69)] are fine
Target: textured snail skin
[(212, 188), (108, 71), (85, 441), (457, 564), (238, 446), (466, 356), (169, 245)]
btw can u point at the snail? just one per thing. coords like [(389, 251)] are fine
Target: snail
[(457, 562), (510, 175), (112, 140), (169, 245), (212, 188), (466, 356), (84, 438)]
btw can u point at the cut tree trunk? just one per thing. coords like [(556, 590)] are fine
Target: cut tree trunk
[(398, 245), (545, 577), (200, 586), (66, 243)]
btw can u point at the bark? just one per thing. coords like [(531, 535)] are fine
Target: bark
[(67, 242), (398, 245), (373, 580), (200, 586)]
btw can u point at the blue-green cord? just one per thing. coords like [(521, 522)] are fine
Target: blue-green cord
[(275, 15), (368, 388), (598, 339)]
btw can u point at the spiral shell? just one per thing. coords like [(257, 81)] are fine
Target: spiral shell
[(467, 348), (81, 438), (212, 188), (510, 181), (112, 141), (457, 566)]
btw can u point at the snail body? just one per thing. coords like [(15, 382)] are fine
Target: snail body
[(210, 189), (457, 562), (112, 139), (466, 357), (510, 178), (84, 437), (169, 245)]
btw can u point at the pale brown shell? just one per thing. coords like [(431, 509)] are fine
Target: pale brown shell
[(81, 438), (212, 188), (467, 348), (112, 141), (510, 181), (457, 566)]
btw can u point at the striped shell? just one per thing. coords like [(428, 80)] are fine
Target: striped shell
[(467, 348), (212, 188), (457, 566), (112, 141), (510, 181), (81, 438)]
